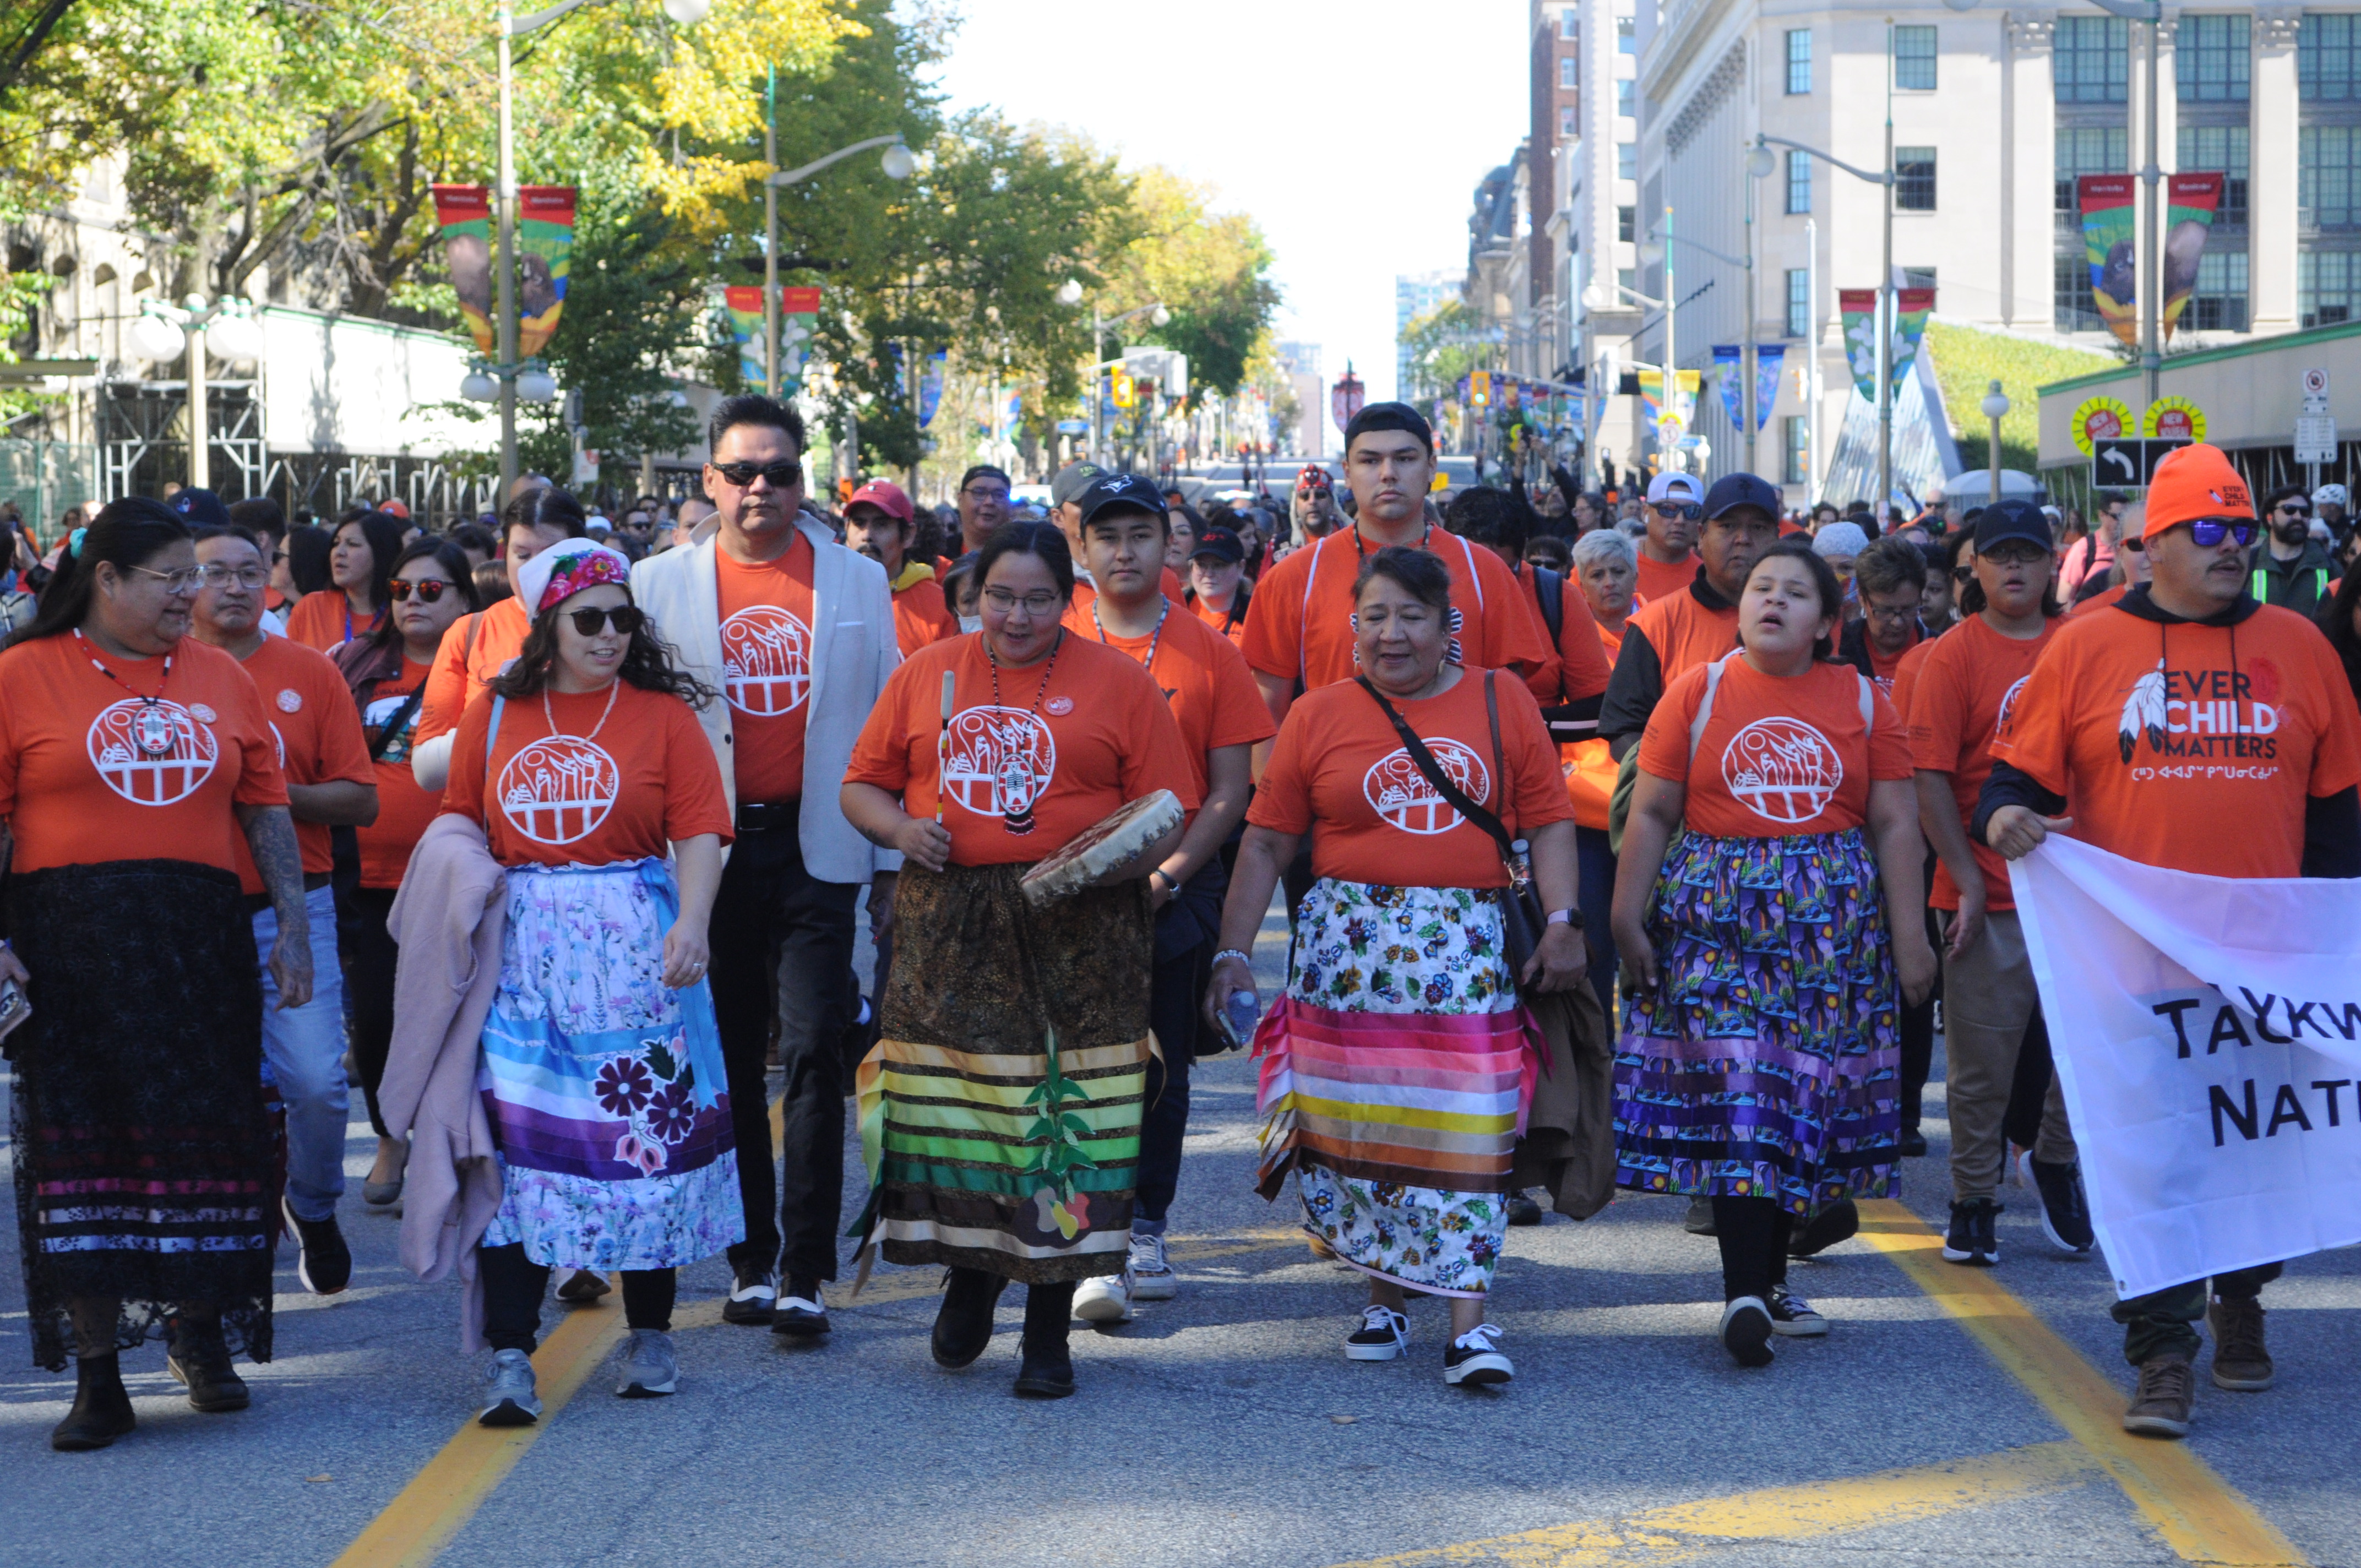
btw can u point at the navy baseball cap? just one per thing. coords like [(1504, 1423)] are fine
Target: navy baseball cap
[(2013, 518), (1127, 492), (1732, 490), (1222, 544), (200, 509)]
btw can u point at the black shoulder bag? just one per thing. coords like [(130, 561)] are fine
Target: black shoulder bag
[(1521, 918)]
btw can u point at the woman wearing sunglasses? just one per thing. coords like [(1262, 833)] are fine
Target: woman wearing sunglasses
[(582, 762), (386, 671)]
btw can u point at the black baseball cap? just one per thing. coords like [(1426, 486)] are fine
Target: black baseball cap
[(202, 509), (983, 471), (2013, 518), (1222, 544), (1733, 491), (1125, 492)]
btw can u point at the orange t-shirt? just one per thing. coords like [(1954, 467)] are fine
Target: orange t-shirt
[(766, 654), (1590, 770), (1298, 623), (1961, 693), (1056, 752), (83, 781), (1228, 622), (1659, 579), (1580, 668), (318, 731), (404, 809), (1086, 594), (476, 648), (1684, 632), (1612, 642), (1340, 764), (1781, 755), (595, 790), (2112, 596), (1906, 674), (920, 615), (1204, 678), (2177, 746), (325, 618), (1881, 669)]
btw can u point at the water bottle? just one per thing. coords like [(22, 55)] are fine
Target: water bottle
[(1239, 1015)]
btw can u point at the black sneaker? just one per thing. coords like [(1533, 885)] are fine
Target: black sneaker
[(323, 1262), (801, 1314), (1746, 1332), (2065, 1211), (1792, 1316), (1475, 1360), (1911, 1144), (1384, 1335), (1522, 1208), (1975, 1235), (1834, 1222), (753, 1293)]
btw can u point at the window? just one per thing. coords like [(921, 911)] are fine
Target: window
[(1628, 276), (1914, 178), (1913, 58), (2211, 56), (1799, 61), (2219, 303), (1799, 182), (2091, 61), (1623, 90), (2088, 149), (1626, 160), (2324, 60), (1797, 440), (2328, 283), (1569, 24), (1625, 222), (1569, 69), (1916, 276), (1799, 302), (1565, 126), (2328, 194), (2224, 147), (2071, 295), (1626, 41)]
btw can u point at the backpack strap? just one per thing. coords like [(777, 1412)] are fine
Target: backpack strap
[(491, 739), (1868, 702), (1550, 589)]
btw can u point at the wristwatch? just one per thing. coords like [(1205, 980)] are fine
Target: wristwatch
[(1565, 918)]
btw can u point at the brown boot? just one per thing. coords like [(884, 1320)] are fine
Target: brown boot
[(2241, 1364), (2159, 1407)]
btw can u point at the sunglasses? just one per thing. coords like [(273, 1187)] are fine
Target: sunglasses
[(1675, 509), (2020, 555), (2208, 532), (428, 592), (626, 619), (2295, 509), (741, 475), (2133, 543)]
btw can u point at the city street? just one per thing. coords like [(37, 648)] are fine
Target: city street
[(1952, 1416)]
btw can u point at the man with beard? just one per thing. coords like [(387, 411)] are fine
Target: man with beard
[(880, 522), (2292, 570)]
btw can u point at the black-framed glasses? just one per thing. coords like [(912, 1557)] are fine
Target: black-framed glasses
[(1892, 612), (2018, 553), (780, 475), (428, 591), (2208, 530), (2294, 509), (1690, 509), (627, 618), (985, 493)]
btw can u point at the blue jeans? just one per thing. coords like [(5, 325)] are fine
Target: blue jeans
[(305, 1047)]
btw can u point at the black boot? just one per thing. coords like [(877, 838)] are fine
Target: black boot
[(1047, 1371), (102, 1411), (200, 1360), (963, 1326)]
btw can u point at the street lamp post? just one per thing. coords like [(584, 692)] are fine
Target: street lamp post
[(897, 164), (1745, 264), (1159, 314), (163, 333), (1995, 407)]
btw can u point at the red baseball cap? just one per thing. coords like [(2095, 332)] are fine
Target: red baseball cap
[(885, 496)]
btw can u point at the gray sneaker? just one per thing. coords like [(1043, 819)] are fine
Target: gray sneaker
[(509, 1399), (650, 1368)]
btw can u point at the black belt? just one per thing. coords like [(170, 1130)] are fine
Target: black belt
[(766, 817), (256, 903)]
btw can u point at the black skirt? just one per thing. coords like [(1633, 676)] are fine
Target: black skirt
[(145, 1156)]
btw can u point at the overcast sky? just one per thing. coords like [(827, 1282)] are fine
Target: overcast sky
[(1353, 134)]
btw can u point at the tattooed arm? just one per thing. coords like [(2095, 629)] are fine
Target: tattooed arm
[(270, 834)]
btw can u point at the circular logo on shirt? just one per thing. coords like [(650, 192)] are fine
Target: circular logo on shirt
[(1781, 769), (2008, 705), (559, 789), (1399, 793), (290, 700), (1002, 760), (202, 713), (766, 661), (1061, 705), (152, 754)]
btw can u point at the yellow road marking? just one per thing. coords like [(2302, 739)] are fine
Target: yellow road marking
[(2201, 1516), (1779, 1513)]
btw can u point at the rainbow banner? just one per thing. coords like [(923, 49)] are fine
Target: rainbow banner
[(2110, 244), (799, 319), (465, 215), (744, 303), (2190, 203), (1911, 308), (544, 233), (1857, 309)]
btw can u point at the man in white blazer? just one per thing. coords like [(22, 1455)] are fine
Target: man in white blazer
[(797, 633)]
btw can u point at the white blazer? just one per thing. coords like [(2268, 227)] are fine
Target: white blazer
[(853, 651)]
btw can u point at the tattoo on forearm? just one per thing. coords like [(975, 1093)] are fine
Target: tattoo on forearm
[(270, 834)]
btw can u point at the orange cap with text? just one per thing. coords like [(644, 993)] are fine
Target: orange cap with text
[(2194, 482)]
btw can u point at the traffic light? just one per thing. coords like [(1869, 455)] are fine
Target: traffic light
[(1479, 388)]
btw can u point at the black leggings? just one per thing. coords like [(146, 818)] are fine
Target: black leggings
[(514, 1286), (370, 953), (1753, 1234)]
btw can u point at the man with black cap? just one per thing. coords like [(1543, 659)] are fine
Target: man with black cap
[(1065, 505), (1961, 693), (1218, 583), (983, 505)]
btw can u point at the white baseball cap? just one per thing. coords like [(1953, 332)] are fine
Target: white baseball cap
[(1663, 487)]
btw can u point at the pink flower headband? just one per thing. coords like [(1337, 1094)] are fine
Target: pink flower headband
[(563, 570)]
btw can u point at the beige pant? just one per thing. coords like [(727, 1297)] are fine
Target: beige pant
[(1988, 1001)]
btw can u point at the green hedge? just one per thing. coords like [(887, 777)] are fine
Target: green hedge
[(1966, 364)]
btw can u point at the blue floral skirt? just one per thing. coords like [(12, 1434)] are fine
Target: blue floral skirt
[(1767, 1063), (605, 1086)]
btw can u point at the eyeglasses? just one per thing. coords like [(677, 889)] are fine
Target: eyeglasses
[(743, 475), (986, 494), (428, 591), (1003, 601), (1893, 611), (2133, 542), (184, 581), (1675, 509), (627, 618), (244, 577), (2208, 532), (2017, 553)]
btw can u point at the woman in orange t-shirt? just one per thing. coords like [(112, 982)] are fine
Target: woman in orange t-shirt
[(1396, 1068), (1761, 1024), (601, 1063), (999, 1015), (133, 759), (360, 561)]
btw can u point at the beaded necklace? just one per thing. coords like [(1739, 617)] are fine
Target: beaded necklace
[(1154, 638), (1015, 781), (152, 728)]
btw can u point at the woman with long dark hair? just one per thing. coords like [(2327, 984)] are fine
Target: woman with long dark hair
[(361, 554), (133, 760), (429, 588), (585, 764)]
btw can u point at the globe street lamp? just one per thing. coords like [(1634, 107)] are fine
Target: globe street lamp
[(1158, 314), (165, 331), (1995, 407), (897, 164)]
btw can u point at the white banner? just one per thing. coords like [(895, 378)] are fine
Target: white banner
[(2208, 1034)]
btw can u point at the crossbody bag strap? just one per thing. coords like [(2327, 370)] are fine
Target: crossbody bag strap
[(1492, 712), (1431, 770), (491, 739), (1705, 705), (393, 725)]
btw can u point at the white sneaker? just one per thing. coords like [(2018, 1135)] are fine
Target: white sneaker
[(1152, 1278), (1104, 1300), (1384, 1335), (1474, 1358)]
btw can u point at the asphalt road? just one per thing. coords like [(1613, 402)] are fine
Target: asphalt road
[(1951, 1416)]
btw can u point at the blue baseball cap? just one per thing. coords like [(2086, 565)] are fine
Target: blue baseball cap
[(199, 508), (1733, 491)]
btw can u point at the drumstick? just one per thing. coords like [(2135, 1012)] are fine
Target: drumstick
[(943, 744)]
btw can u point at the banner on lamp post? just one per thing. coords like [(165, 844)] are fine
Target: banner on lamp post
[(545, 260), (744, 303), (1911, 308), (1730, 366), (2110, 244), (2190, 202), (464, 212), (930, 387), (1856, 309), (798, 321)]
